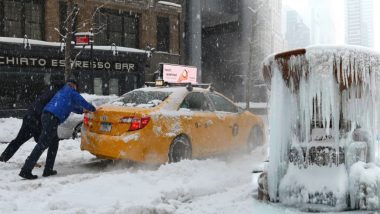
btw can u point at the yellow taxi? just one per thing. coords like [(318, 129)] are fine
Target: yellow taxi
[(168, 124)]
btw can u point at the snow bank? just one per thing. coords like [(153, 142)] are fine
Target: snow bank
[(300, 187), (365, 186), (9, 128)]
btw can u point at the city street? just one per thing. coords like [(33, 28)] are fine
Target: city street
[(85, 184)]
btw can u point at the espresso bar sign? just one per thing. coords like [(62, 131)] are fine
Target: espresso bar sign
[(78, 64)]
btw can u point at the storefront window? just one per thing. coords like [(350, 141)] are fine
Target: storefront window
[(21, 17), (98, 84), (117, 27), (114, 86)]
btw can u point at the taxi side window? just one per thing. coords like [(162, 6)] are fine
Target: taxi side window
[(222, 104), (196, 102)]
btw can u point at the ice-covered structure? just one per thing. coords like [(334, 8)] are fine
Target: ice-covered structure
[(323, 127)]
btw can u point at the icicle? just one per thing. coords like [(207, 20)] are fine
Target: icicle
[(280, 138)]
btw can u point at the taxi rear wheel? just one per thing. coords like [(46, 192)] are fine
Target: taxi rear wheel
[(180, 149), (255, 139), (77, 130)]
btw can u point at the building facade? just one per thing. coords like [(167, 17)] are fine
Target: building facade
[(359, 22), (128, 23), (322, 28), (297, 33), (236, 36), (130, 39), (267, 39)]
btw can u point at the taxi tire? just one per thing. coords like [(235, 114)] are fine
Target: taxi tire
[(255, 138), (77, 131), (180, 149)]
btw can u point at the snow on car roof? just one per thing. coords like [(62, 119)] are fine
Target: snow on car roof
[(170, 89), (176, 96), (90, 97)]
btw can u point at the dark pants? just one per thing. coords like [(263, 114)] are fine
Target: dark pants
[(48, 139), (31, 127)]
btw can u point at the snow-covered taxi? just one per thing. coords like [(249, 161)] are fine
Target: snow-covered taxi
[(161, 124)]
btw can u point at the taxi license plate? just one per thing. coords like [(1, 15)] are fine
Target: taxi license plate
[(105, 127)]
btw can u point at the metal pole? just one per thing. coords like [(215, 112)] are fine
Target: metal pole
[(194, 35), (91, 40)]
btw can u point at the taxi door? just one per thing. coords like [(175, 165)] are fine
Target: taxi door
[(228, 121), (201, 125)]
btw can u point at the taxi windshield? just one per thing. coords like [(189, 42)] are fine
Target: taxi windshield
[(143, 99)]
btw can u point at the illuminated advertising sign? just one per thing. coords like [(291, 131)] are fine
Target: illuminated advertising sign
[(179, 74)]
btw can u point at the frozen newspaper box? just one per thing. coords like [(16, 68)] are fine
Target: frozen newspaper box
[(323, 125)]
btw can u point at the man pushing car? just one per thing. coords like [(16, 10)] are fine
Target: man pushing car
[(65, 101), (31, 122)]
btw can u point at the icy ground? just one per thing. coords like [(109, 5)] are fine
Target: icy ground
[(87, 185)]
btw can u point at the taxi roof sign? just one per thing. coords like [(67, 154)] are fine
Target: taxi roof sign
[(172, 73)]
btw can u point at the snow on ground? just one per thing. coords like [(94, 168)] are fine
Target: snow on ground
[(9, 128), (87, 185)]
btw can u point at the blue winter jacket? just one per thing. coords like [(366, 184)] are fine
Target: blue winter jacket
[(65, 101)]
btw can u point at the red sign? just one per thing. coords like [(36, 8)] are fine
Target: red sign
[(82, 40)]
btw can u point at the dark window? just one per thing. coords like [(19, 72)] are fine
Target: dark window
[(163, 34), (112, 26), (196, 101), (22, 17), (222, 104)]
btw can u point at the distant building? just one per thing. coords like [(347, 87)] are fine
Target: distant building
[(359, 22), (267, 39), (322, 28), (229, 27), (297, 33)]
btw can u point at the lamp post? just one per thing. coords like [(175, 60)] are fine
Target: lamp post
[(91, 42)]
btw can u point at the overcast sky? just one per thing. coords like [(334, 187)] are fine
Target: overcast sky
[(303, 8)]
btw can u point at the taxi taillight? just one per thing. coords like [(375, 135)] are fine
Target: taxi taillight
[(136, 122), (85, 119)]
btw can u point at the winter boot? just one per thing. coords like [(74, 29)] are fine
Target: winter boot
[(27, 175), (49, 172)]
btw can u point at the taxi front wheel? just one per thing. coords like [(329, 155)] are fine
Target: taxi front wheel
[(180, 149)]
